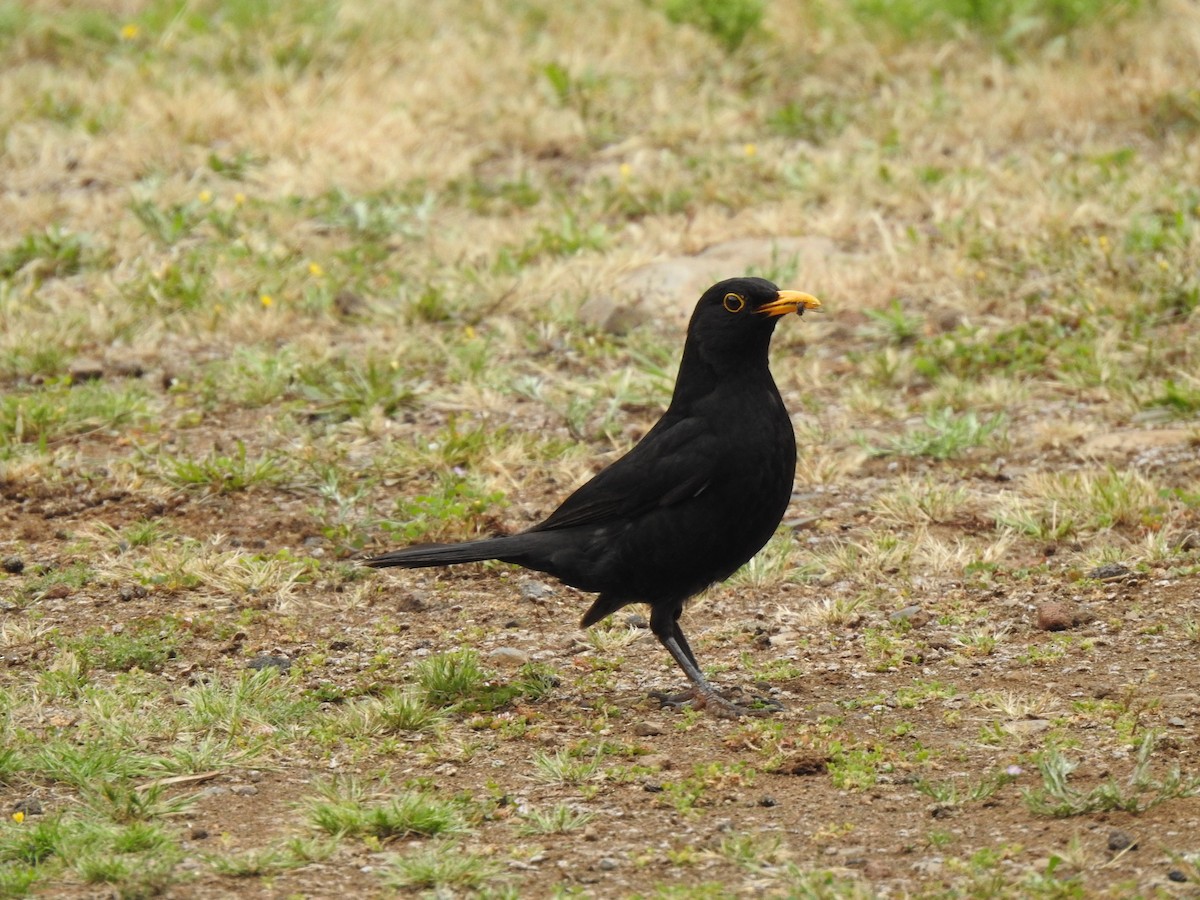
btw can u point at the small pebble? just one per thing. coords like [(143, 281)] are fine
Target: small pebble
[(1109, 572), (767, 801), (647, 729), (245, 790), (1054, 616), (535, 590), (29, 806), (1119, 840), (282, 663), (1176, 875), (13, 565), (607, 864), (508, 658), (913, 615)]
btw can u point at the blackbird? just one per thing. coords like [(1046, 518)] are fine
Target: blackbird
[(691, 503)]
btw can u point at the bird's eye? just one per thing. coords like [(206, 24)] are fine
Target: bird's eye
[(734, 303)]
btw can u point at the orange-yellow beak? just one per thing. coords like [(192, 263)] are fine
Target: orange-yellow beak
[(790, 302)]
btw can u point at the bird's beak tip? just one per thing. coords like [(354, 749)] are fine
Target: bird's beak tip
[(791, 301)]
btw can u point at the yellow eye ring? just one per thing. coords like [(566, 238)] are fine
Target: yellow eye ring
[(734, 303)]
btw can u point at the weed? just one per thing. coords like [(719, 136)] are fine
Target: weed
[(945, 436), (222, 473), (1139, 792), (729, 21), (564, 768), (559, 819), (440, 867)]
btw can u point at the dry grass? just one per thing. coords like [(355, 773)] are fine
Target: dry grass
[(328, 260)]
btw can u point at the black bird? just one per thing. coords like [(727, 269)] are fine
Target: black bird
[(698, 496)]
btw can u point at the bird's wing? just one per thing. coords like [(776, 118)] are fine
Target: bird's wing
[(674, 462)]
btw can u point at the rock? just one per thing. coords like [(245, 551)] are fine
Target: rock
[(245, 790), (1109, 572), (1176, 875), (535, 590), (58, 591), (1120, 840), (607, 864), (647, 729), (282, 663), (637, 620), (668, 289), (913, 615), (508, 658), (30, 806), (13, 565), (1026, 727), (1054, 616)]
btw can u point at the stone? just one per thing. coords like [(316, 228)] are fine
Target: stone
[(1054, 616), (508, 658)]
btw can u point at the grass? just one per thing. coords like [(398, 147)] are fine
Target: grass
[(328, 263), (1137, 793)]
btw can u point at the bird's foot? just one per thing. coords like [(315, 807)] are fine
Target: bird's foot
[(715, 704)]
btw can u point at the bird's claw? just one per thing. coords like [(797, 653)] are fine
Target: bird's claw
[(714, 703)]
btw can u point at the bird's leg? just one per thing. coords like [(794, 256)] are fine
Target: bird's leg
[(702, 695)]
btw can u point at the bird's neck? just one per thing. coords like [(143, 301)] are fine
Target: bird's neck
[(702, 373)]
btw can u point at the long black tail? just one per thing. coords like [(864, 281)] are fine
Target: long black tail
[(509, 549)]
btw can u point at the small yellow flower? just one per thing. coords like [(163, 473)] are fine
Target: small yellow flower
[(750, 149), (218, 309), (129, 31), (205, 196), (239, 198), (1162, 264), (315, 270), (266, 300), (1102, 241), (469, 331), (626, 170), (18, 817)]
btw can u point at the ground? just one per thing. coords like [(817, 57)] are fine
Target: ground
[(283, 287)]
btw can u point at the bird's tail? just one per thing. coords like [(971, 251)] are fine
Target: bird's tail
[(422, 555)]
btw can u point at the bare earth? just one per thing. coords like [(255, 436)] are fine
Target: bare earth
[(285, 290)]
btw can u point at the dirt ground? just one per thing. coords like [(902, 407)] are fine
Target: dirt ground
[(285, 285)]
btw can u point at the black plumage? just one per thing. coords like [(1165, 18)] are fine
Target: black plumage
[(691, 503)]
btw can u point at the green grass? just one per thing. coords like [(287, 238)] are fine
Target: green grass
[(332, 260)]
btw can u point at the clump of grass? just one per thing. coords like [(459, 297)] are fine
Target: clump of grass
[(346, 809), (51, 253), (945, 435), (1006, 22), (222, 472), (447, 678), (955, 793), (441, 867), (57, 412), (559, 819), (1139, 792), (729, 21)]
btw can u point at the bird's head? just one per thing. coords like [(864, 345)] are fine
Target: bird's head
[(735, 317)]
